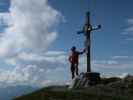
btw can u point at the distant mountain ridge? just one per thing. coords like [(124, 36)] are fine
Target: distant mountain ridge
[(9, 92)]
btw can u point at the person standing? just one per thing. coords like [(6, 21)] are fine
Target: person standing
[(74, 60)]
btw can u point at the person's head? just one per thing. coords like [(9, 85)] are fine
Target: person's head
[(73, 48)]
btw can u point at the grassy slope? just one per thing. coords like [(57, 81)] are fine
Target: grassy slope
[(50, 93)]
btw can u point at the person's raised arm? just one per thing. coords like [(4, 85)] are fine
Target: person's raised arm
[(82, 52)]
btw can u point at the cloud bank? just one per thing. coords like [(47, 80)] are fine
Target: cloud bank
[(36, 70), (128, 32), (31, 28)]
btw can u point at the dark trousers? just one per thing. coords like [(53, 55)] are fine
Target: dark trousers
[(74, 69)]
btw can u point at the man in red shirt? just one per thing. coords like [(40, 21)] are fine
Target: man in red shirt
[(74, 60)]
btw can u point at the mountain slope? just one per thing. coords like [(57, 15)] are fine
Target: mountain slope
[(109, 89)]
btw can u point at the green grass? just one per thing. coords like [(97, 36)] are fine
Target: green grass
[(109, 89), (83, 94)]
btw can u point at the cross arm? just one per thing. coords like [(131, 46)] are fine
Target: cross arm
[(97, 28), (80, 32)]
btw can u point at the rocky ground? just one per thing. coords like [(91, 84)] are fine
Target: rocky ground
[(109, 89)]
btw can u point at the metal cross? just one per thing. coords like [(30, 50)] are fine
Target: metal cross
[(87, 29)]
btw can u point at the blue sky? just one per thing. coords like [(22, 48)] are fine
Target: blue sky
[(4, 5), (108, 43), (111, 14), (111, 46)]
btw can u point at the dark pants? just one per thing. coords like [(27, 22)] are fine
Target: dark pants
[(74, 68)]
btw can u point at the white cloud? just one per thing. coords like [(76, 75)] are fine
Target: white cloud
[(130, 21), (5, 19), (54, 53), (32, 27), (123, 75), (121, 57), (129, 29), (114, 66), (106, 64), (24, 44), (34, 69), (51, 68), (21, 76), (129, 39), (50, 56)]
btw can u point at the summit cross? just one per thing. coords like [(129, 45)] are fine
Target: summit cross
[(87, 29)]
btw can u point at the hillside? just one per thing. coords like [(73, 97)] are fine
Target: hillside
[(109, 89)]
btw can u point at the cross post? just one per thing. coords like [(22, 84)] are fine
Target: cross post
[(87, 29)]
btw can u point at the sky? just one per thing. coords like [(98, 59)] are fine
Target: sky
[(36, 37)]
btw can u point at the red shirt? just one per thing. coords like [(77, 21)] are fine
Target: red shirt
[(74, 57)]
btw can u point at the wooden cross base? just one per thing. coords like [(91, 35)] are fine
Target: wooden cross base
[(93, 77), (85, 80)]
